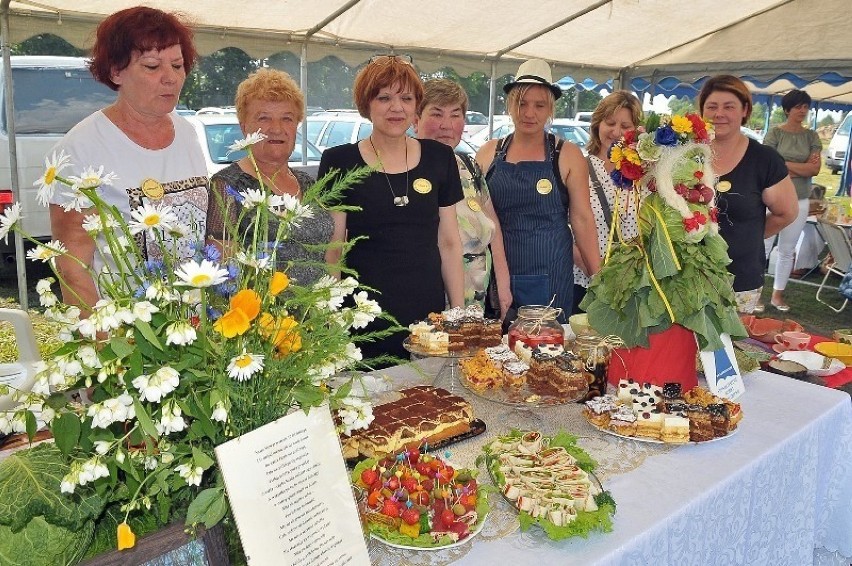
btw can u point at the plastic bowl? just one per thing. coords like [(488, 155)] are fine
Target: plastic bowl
[(580, 324), (839, 350), (817, 364), (766, 329)]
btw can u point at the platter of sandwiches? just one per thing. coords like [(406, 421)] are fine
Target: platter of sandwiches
[(667, 414)]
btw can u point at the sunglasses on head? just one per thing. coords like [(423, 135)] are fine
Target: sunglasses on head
[(388, 59)]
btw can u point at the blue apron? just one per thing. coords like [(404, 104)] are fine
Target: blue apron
[(536, 235)]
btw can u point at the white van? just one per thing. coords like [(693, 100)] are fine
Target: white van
[(835, 156), (51, 94)]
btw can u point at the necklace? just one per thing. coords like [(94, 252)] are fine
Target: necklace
[(273, 186), (397, 200)]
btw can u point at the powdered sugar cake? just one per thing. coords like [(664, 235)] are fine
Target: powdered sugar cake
[(422, 414)]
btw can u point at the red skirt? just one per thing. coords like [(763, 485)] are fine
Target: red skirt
[(670, 358)]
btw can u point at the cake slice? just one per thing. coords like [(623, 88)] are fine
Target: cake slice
[(675, 430)]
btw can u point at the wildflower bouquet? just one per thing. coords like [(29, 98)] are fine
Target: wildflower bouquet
[(674, 272), (179, 355)]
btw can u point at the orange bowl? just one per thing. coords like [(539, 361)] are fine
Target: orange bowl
[(839, 350), (766, 329)]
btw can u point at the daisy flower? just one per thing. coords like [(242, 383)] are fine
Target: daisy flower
[(92, 179), (47, 252), (251, 198), (245, 365), (8, 220), (204, 274), (95, 223), (246, 142), (46, 184), (151, 217)]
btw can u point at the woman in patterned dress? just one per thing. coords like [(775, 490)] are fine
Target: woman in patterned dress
[(616, 114), (441, 117)]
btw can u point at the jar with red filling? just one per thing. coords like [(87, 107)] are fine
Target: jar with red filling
[(535, 325)]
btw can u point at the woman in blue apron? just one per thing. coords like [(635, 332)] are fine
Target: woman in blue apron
[(533, 176)]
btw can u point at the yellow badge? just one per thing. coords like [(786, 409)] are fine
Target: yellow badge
[(152, 188), (473, 205), (422, 186), (723, 186), (544, 186)]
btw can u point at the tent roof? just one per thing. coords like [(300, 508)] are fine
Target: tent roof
[(596, 39)]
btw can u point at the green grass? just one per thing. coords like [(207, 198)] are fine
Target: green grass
[(816, 317)]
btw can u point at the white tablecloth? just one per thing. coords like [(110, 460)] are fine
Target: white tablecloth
[(773, 493)]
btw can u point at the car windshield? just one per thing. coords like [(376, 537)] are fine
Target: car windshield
[(846, 127), (52, 101), (573, 134), (221, 136)]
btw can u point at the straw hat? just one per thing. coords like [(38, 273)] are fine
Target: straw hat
[(536, 72)]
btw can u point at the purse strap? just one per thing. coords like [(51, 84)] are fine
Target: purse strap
[(598, 187)]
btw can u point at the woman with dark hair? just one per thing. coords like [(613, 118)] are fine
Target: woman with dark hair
[(408, 247), (800, 147), (144, 54), (616, 114), (754, 193), (533, 176)]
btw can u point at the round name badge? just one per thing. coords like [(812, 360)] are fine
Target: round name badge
[(544, 186), (152, 189), (723, 186), (473, 205), (422, 186)]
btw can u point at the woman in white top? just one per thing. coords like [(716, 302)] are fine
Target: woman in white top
[(616, 114), (144, 54)]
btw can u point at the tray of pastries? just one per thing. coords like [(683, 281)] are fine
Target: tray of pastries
[(667, 414), (421, 415), (540, 376), (453, 333)]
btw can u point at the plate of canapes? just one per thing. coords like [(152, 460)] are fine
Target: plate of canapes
[(663, 415)]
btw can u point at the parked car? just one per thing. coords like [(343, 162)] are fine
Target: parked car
[(335, 127), (569, 130), (474, 122), (478, 139), (757, 136), (51, 94), (217, 132), (216, 111), (584, 116), (835, 155)]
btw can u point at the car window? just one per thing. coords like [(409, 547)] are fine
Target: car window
[(475, 118), (314, 129), (219, 138), (337, 133), (52, 101), (364, 130), (313, 153), (573, 134)]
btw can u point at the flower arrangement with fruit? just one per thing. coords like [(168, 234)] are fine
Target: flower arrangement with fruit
[(418, 499), (674, 273), (178, 355)]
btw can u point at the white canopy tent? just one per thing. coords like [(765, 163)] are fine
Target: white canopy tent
[(618, 40)]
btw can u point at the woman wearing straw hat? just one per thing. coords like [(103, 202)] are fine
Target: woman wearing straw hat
[(533, 177)]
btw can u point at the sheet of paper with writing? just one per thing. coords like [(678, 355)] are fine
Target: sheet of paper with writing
[(722, 371), (290, 493)]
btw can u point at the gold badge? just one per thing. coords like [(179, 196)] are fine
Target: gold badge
[(723, 186), (152, 189), (473, 205), (422, 186), (544, 186)]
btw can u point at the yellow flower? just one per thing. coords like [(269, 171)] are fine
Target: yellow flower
[(681, 125), (632, 156), (279, 282), (126, 537), (282, 333), (615, 154), (232, 323), (247, 301)]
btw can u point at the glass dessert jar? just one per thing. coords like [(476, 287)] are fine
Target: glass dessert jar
[(595, 353), (536, 324)]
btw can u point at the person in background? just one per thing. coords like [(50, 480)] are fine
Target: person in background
[(144, 54), (408, 246), (754, 193), (533, 177), (800, 147), (616, 114), (270, 101), (441, 117)]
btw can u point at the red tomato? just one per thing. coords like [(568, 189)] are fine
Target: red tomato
[(369, 476), (447, 517), (413, 455), (410, 484), (411, 516), (393, 483), (420, 497), (390, 508)]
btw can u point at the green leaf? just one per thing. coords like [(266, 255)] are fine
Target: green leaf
[(29, 487), (66, 431), (120, 346), (209, 507), (31, 424), (144, 419), (145, 329), (42, 543), (201, 459)]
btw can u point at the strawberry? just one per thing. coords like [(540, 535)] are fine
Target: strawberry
[(369, 476), (410, 484), (448, 517), (393, 483), (420, 497), (390, 508), (413, 455), (411, 516)]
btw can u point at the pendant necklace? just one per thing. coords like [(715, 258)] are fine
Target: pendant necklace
[(397, 200)]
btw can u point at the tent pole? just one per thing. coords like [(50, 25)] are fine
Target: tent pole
[(303, 84), (13, 150), (492, 96), (843, 188)]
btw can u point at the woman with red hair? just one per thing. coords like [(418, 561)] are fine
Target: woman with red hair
[(144, 54)]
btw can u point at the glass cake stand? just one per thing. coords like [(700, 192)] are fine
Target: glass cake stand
[(449, 376)]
